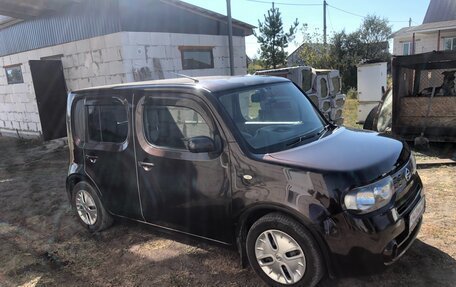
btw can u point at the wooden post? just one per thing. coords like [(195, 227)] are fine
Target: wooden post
[(413, 45), (438, 41)]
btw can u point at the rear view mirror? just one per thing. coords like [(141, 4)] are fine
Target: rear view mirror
[(200, 144)]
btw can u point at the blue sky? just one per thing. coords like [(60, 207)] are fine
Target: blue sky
[(396, 11)]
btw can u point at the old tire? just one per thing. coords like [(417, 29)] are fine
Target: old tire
[(89, 208), (291, 240), (369, 122)]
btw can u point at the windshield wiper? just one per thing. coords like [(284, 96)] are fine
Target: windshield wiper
[(304, 137), (325, 130)]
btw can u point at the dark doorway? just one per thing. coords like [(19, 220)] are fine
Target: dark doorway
[(51, 97)]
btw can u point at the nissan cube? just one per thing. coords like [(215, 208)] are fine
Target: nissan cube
[(248, 162)]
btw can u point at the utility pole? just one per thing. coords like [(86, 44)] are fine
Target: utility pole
[(273, 47), (410, 22), (324, 22), (230, 36)]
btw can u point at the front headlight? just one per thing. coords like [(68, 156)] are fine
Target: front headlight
[(370, 197)]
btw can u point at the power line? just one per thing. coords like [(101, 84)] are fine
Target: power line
[(285, 3), (358, 15), (351, 13)]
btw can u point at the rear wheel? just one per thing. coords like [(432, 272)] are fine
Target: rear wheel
[(283, 253), (370, 120), (89, 209)]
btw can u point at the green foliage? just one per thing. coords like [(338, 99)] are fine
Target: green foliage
[(255, 65), (352, 93), (369, 42), (312, 51), (345, 51), (273, 40)]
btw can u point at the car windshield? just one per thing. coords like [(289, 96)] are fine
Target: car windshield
[(272, 117)]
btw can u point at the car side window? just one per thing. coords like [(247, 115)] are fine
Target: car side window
[(107, 123), (171, 126), (78, 122)]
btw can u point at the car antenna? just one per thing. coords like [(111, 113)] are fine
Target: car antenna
[(185, 76)]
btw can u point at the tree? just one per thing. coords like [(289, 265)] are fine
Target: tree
[(347, 50), (255, 65), (273, 40), (374, 33), (312, 51), (369, 42)]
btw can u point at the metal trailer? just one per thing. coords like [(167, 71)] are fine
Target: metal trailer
[(322, 86), (424, 96)]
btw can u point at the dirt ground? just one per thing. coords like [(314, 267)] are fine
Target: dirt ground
[(41, 243)]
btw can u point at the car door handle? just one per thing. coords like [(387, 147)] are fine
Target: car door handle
[(92, 158), (146, 165)]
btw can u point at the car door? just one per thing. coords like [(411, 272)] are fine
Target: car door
[(181, 190), (109, 152)]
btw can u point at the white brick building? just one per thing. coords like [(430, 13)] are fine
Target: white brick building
[(132, 52), (437, 33)]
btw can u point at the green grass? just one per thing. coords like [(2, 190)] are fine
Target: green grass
[(350, 114)]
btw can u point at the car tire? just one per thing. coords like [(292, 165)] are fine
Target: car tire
[(369, 122), (281, 228), (89, 209)]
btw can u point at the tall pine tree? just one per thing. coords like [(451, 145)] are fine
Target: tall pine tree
[(273, 40)]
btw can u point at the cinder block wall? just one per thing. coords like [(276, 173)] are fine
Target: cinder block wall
[(18, 108), (141, 49), (109, 59)]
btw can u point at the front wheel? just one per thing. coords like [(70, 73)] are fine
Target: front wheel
[(89, 208), (283, 253)]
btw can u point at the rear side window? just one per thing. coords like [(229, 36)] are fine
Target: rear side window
[(78, 122), (171, 126), (107, 123)]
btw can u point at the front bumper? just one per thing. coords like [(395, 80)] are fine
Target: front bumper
[(368, 243)]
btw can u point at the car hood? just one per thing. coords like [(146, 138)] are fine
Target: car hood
[(359, 156)]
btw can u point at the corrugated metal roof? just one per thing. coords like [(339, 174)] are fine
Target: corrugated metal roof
[(90, 18), (93, 19), (6, 21), (440, 10), (27, 9)]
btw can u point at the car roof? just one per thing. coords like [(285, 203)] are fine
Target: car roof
[(212, 84)]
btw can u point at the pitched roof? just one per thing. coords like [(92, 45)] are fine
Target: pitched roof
[(210, 13), (440, 10), (14, 11), (425, 28)]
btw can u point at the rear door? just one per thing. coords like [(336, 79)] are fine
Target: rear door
[(109, 152), (181, 190)]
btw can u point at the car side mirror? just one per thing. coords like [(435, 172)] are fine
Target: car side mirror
[(200, 144)]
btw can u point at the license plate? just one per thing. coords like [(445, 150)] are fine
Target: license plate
[(416, 214)]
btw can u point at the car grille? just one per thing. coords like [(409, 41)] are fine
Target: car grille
[(407, 201), (406, 190), (399, 178)]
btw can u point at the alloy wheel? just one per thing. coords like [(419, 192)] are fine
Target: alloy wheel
[(86, 207)]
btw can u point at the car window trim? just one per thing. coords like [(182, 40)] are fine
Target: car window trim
[(106, 100), (168, 152)]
